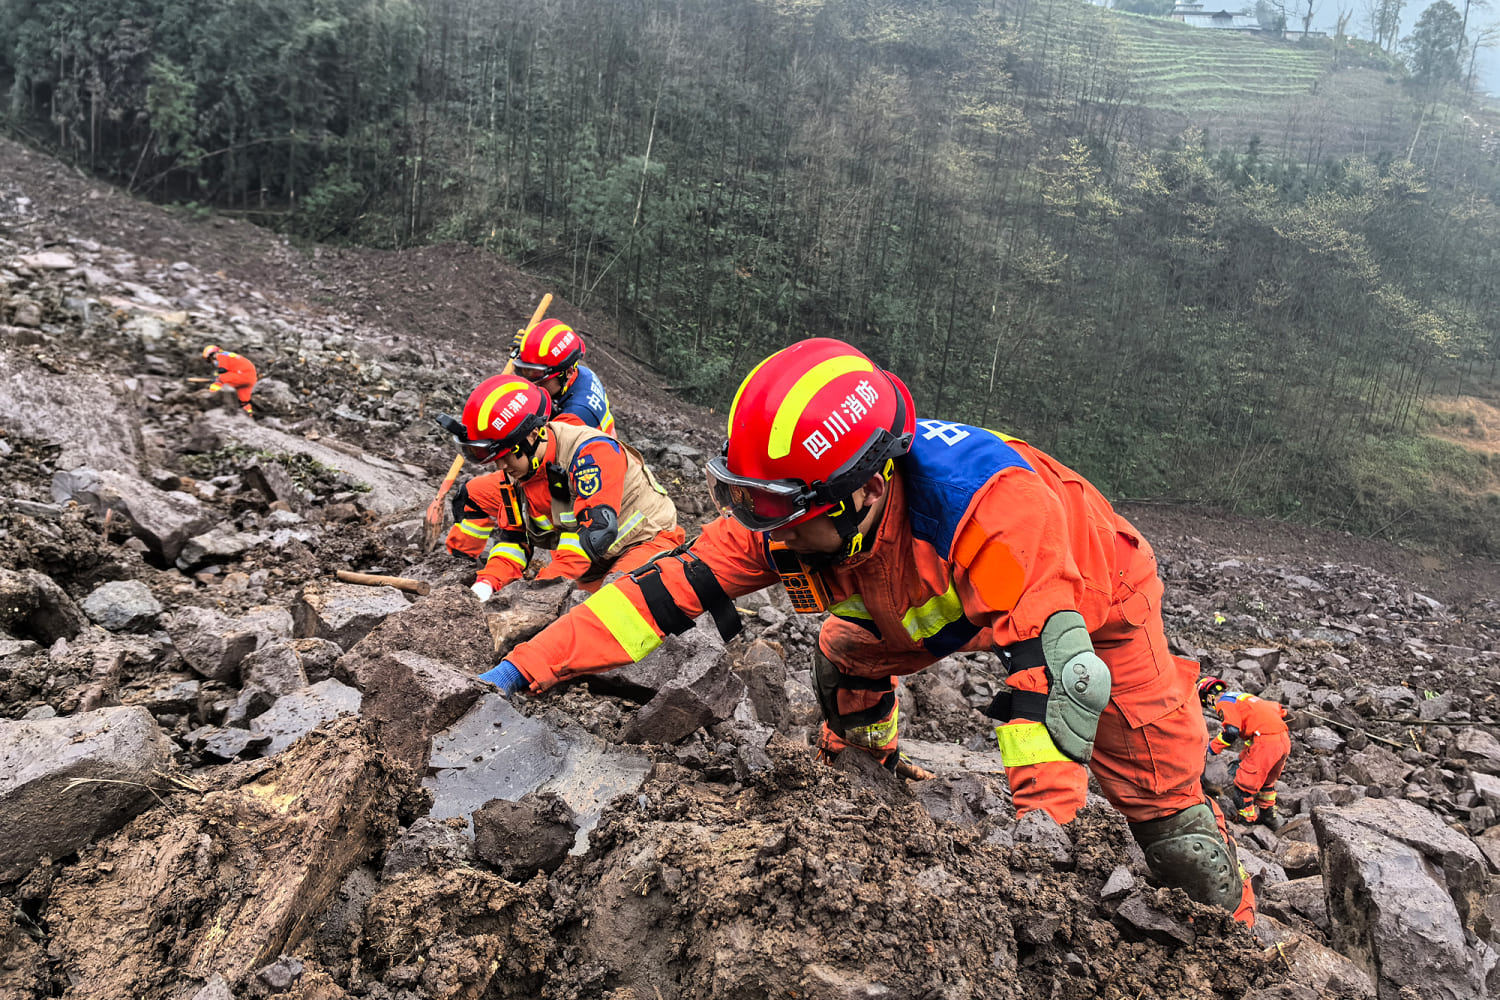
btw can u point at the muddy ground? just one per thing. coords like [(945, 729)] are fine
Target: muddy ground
[(739, 868)]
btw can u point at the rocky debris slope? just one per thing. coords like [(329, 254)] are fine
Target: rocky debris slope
[(226, 774)]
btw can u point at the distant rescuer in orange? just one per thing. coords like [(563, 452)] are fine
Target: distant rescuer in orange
[(234, 372), (1268, 744), (921, 538), (561, 486)]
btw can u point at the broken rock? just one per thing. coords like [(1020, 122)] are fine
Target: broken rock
[(33, 606), (1401, 888), (66, 781), (123, 606), (343, 613), (214, 644)]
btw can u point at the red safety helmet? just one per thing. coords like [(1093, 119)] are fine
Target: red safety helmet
[(498, 416), (809, 425), (550, 348), (210, 350), (1209, 689)]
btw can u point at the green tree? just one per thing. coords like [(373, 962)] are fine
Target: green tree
[(1433, 48)]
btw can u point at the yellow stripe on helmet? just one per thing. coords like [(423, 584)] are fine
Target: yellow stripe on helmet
[(802, 393), (494, 397), (741, 389), (547, 338)]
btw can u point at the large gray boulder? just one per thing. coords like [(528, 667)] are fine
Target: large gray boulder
[(163, 520), (64, 782), (343, 613), (214, 644), (1402, 890), (392, 488), (93, 419), (695, 686)]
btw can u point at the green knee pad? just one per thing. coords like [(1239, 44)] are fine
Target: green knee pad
[(1186, 850)]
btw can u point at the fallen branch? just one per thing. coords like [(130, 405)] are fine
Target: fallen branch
[(1353, 729), (418, 587)]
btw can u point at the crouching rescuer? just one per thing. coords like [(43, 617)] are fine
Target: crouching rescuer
[(561, 486), (921, 538), (1261, 724)]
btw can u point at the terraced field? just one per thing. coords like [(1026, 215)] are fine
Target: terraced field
[(1175, 67), (1167, 65), (1231, 86)]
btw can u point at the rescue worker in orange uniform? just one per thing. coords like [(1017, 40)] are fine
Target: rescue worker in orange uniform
[(1268, 744), (548, 355), (922, 538), (234, 372), (561, 486)]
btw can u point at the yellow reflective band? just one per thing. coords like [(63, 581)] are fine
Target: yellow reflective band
[(511, 551), (607, 425), (494, 397), (736, 401), (542, 523), (1023, 743), (932, 617), (216, 387), (615, 612), (570, 543), (802, 393), (852, 606), (557, 330), (879, 734), (568, 518), (472, 531), (630, 524)]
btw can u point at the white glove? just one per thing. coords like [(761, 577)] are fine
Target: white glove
[(483, 591)]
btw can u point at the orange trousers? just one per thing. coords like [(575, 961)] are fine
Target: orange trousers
[(1261, 762), (242, 382)]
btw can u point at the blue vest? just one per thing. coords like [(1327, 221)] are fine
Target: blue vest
[(586, 398)]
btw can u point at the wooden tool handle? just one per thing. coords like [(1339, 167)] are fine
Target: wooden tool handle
[(419, 587), (536, 317)]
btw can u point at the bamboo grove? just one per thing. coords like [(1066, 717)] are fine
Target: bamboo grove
[(970, 191)]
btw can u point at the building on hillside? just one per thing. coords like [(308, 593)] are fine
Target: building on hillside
[(1227, 20)]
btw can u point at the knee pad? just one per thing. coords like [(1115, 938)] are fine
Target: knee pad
[(1186, 850)]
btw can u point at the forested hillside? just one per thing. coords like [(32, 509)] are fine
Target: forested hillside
[(995, 198)]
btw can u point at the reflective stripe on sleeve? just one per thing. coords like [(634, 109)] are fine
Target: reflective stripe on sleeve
[(469, 529), (630, 524), (1023, 743), (932, 617), (628, 626), (569, 543)]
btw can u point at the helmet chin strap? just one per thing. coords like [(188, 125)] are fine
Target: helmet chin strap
[(846, 520), (538, 448)]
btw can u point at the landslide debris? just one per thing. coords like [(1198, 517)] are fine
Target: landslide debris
[(324, 802)]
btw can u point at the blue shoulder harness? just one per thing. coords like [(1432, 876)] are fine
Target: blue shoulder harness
[(946, 466)]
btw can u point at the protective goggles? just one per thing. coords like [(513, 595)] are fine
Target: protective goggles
[(474, 451), (758, 504), (767, 504)]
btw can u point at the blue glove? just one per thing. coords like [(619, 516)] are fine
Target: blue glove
[(507, 678)]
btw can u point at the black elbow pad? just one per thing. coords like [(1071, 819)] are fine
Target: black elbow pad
[(598, 527)]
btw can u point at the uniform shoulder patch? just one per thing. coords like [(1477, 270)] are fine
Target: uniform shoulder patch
[(586, 476)]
